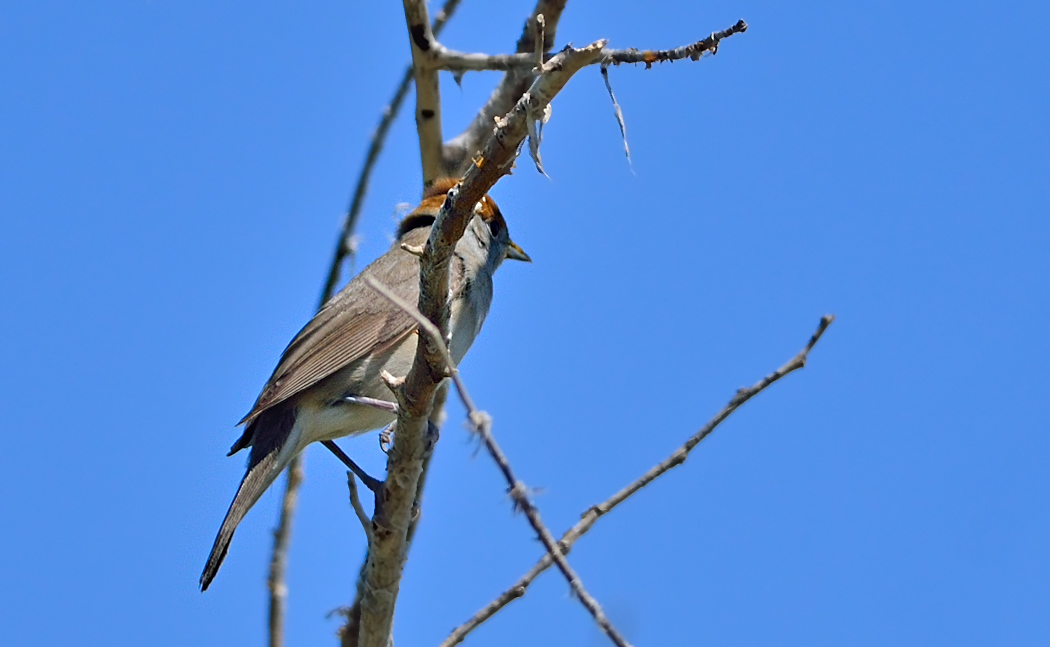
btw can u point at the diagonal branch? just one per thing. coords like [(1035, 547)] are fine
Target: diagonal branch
[(481, 424), (457, 152), (595, 512), (345, 249), (415, 392)]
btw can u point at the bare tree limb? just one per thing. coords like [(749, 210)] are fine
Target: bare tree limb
[(481, 423), (595, 512), (519, 69), (694, 51), (458, 152), (279, 559), (415, 394), (355, 503), (428, 92), (344, 249), (439, 57)]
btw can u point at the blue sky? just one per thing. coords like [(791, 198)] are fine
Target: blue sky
[(172, 178)]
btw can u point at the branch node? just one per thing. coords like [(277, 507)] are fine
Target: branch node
[(415, 250), (393, 383)]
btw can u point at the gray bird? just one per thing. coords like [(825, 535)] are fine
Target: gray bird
[(355, 336)]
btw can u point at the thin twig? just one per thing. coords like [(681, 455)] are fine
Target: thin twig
[(694, 51), (355, 502), (459, 151), (344, 249), (540, 22), (439, 57), (481, 423), (595, 512), (279, 559)]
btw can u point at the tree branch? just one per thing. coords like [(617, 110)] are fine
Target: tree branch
[(458, 152), (416, 391), (428, 92), (519, 68), (481, 424), (344, 251), (595, 512), (693, 52), (344, 248), (282, 537)]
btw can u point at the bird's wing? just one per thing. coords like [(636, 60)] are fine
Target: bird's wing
[(353, 323)]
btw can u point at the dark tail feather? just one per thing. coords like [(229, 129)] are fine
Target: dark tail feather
[(252, 486), (246, 438), (271, 433)]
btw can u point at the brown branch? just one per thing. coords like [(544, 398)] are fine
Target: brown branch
[(458, 152), (279, 559), (355, 503), (415, 393), (344, 251), (595, 512), (481, 424), (519, 68), (694, 51), (439, 57)]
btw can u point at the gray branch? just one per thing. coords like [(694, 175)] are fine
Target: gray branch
[(415, 393), (592, 515), (458, 152), (344, 249), (282, 537), (428, 92), (481, 423), (519, 68)]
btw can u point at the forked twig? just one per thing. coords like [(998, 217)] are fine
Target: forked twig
[(595, 512)]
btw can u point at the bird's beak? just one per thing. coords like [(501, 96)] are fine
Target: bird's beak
[(516, 253)]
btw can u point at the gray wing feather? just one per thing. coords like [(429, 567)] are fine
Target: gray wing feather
[(354, 322)]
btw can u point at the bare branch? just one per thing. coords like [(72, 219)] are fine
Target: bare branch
[(439, 57), (519, 68), (595, 512), (279, 559), (428, 93), (458, 152), (355, 502), (694, 51), (481, 423), (344, 249), (405, 461)]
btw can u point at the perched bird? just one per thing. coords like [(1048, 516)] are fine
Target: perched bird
[(355, 336)]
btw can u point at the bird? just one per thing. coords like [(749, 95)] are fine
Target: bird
[(358, 334)]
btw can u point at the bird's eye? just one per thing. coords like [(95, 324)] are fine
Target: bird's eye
[(495, 226)]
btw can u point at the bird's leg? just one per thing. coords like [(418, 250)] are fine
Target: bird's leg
[(371, 483), (382, 405)]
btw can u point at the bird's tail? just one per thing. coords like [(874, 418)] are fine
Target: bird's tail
[(271, 453)]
